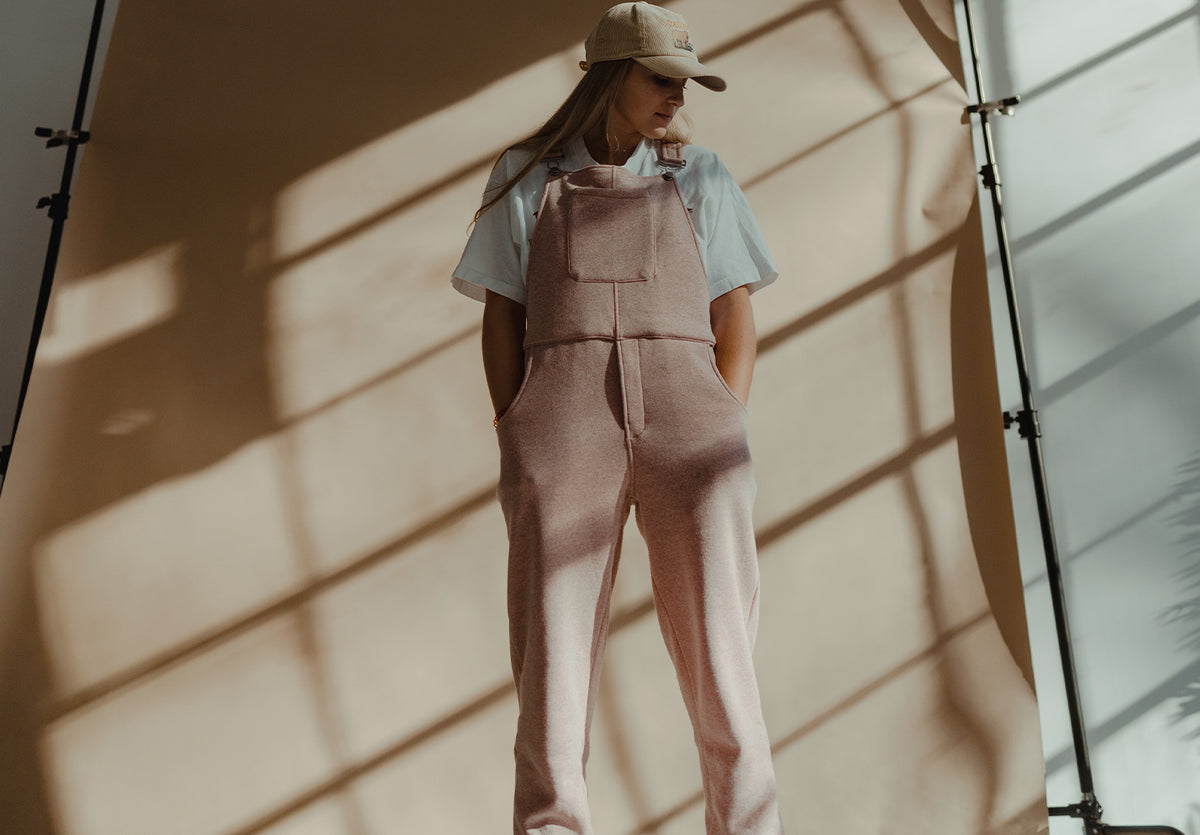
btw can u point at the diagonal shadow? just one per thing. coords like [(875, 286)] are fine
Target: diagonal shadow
[(892, 274), (1113, 357), (202, 643), (959, 709), (347, 775), (485, 495), (1185, 685), (1183, 682), (1147, 512), (931, 653), (940, 43), (768, 26), (894, 105), (1083, 210), (218, 268), (474, 168), (768, 342), (881, 281), (1108, 54), (999, 65), (253, 316), (622, 619), (484, 498)]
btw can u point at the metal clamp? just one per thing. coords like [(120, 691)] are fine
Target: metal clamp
[(1088, 810), (1005, 107), (1026, 421), (57, 204), (54, 138)]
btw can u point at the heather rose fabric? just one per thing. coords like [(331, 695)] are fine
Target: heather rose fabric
[(622, 406)]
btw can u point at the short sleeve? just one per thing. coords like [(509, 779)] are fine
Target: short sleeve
[(732, 246), (492, 259)]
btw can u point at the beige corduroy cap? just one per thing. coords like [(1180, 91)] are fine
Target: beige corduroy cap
[(655, 37)]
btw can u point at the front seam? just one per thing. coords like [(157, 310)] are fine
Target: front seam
[(618, 346), (616, 311), (617, 343)]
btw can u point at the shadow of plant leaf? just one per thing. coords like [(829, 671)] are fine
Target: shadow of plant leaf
[(1187, 611)]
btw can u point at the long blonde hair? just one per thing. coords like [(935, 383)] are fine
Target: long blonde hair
[(588, 105)]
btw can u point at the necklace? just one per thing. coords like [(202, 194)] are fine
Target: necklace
[(608, 146), (619, 155)]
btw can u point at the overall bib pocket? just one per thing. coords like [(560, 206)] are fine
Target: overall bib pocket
[(611, 235)]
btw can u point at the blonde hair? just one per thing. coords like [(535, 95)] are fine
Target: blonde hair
[(588, 105)]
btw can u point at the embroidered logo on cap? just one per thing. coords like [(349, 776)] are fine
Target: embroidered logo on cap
[(683, 41)]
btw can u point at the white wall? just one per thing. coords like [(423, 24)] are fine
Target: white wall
[(1101, 178), (42, 46)]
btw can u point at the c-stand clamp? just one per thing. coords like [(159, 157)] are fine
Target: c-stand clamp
[(54, 138), (1088, 810), (1005, 106), (1026, 421), (57, 204)]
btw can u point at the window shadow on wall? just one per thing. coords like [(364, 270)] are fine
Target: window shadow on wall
[(204, 375), (188, 147)]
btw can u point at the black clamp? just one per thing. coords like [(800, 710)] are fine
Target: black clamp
[(1026, 421), (990, 176), (1088, 810), (54, 138), (57, 204), (1005, 107), (5, 454)]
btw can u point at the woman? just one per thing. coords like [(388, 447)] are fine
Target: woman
[(616, 266)]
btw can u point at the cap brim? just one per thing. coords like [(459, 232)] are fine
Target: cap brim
[(673, 66)]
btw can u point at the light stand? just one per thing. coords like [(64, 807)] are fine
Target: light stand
[(1088, 809), (56, 206)]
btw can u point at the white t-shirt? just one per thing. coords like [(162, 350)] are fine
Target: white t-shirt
[(731, 246)]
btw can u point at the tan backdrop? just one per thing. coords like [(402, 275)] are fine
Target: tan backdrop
[(258, 563)]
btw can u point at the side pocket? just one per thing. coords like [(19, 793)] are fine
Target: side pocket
[(520, 390), (712, 361)]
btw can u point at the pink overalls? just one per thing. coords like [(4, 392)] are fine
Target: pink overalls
[(622, 405)]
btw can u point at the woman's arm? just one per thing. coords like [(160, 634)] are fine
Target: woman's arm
[(732, 321), (503, 354)]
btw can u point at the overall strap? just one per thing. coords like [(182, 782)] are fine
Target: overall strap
[(670, 158)]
